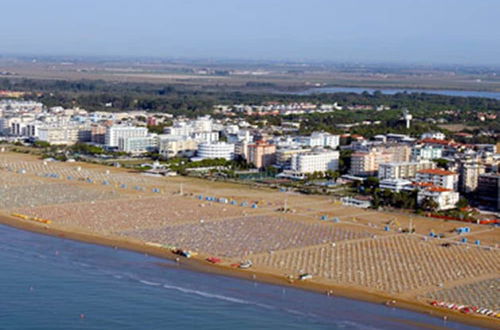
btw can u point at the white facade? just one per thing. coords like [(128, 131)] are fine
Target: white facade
[(207, 137), (114, 133), (64, 135), (433, 135), (215, 150), (138, 144), (427, 152), (315, 162), (320, 139), (396, 185), (445, 198), (403, 170), (438, 178), (176, 146)]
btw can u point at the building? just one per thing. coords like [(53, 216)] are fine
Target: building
[(319, 139), (426, 152), (404, 170), (138, 144), (445, 199), (215, 150), (396, 185), (98, 134), (262, 154), (176, 146), (433, 135), (316, 161), (63, 135), (469, 176), (284, 155), (366, 163), (114, 133), (439, 178), (488, 189)]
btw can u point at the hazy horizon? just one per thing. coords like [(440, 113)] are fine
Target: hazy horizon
[(359, 31)]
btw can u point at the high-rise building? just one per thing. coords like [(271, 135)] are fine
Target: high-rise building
[(138, 144), (404, 170), (438, 178), (262, 154), (488, 189), (114, 133), (366, 163), (316, 161), (469, 176)]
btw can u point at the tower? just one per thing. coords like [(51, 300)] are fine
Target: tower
[(407, 117)]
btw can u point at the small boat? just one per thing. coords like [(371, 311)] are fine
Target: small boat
[(245, 265), (305, 276), (184, 253), (214, 260)]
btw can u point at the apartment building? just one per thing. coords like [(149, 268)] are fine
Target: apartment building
[(63, 135), (316, 161), (404, 170), (488, 189), (445, 199), (284, 155), (215, 150), (176, 146), (438, 178), (262, 154), (426, 152), (138, 144), (366, 163), (115, 132), (319, 139), (469, 176)]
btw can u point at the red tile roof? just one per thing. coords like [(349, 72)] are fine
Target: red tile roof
[(438, 189), (436, 171)]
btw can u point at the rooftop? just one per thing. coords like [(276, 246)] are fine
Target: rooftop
[(436, 171)]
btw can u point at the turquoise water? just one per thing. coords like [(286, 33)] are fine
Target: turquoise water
[(359, 90), (53, 283)]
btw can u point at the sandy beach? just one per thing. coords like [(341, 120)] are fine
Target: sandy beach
[(360, 254)]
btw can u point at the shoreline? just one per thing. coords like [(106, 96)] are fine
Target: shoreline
[(199, 264)]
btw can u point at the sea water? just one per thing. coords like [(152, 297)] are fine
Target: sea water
[(54, 283)]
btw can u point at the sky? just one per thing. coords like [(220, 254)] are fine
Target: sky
[(356, 31)]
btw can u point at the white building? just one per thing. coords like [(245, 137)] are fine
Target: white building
[(439, 178), (402, 170), (138, 144), (215, 150), (445, 198), (63, 135), (207, 137), (433, 135), (176, 146), (320, 139), (319, 161), (426, 152), (114, 133), (396, 185)]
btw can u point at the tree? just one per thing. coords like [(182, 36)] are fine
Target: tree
[(428, 204), (345, 161), (462, 203), (441, 163)]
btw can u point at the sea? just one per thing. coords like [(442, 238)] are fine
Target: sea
[(359, 90), (54, 283)]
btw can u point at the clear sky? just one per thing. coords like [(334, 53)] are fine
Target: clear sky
[(418, 31)]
